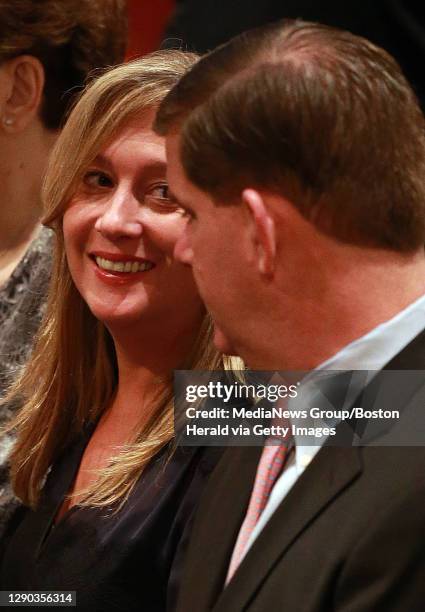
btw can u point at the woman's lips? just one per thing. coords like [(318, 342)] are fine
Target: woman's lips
[(120, 266)]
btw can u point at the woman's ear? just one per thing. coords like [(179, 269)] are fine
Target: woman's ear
[(263, 233), (23, 82)]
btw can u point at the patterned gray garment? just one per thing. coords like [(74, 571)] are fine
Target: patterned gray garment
[(22, 305)]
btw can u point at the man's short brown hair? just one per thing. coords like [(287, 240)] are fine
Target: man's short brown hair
[(69, 37), (316, 114)]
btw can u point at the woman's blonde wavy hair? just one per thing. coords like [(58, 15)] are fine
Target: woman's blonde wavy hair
[(71, 376)]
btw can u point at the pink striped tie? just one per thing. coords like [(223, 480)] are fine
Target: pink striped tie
[(270, 465)]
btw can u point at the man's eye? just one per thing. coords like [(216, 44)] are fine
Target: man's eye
[(96, 178)]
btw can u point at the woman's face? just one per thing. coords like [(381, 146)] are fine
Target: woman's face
[(120, 229)]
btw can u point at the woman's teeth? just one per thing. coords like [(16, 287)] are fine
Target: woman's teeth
[(123, 266)]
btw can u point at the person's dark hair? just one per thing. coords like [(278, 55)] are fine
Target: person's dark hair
[(69, 37), (316, 114)]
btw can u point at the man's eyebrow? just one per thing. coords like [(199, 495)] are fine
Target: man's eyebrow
[(173, 195), (178, 201)]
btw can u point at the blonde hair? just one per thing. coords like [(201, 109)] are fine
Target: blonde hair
[(72, 374)]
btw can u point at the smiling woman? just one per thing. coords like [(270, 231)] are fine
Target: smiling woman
[(120, 230), (109, 495)]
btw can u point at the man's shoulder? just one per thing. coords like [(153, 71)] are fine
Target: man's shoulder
[(402, 465)]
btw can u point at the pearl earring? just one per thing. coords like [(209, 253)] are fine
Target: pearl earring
[(7, 121)]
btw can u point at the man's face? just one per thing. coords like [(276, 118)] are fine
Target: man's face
[(215, 244)]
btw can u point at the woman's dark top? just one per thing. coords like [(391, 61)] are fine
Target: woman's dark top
[(130, 560)]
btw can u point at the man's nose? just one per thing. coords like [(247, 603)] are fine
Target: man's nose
[(120, 217), (182, 250)]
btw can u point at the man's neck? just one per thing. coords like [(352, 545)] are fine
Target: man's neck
[(351, 306)]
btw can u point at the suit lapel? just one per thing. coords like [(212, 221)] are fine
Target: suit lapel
[(218, 521), (331, 471)]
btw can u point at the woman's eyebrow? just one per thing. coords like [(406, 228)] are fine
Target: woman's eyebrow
[(102, 160), (148, 167)]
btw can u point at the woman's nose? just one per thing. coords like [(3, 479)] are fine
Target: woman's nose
[(120, 217)]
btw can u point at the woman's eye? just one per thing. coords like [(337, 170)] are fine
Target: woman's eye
[(95, 178), (158, 197), (160, 192)]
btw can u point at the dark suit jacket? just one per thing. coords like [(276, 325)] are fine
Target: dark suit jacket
[(349, 536)]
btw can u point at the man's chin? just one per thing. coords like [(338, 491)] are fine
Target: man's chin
[(222, 342)]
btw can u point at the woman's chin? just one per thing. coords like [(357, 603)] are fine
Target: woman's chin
[(119, 317)]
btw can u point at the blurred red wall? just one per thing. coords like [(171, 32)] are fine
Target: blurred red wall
[(147, 21)]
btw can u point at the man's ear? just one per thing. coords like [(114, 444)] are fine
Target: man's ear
[(24, 83), (263, 231)]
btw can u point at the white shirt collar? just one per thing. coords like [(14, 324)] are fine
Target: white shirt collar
[(371, 352)]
